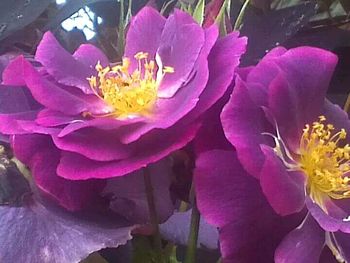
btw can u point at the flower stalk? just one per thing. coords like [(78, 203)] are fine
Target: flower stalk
[(157, 240), (194, 229)]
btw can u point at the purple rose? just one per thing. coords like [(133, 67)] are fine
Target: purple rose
[(100, 120), (290, 165)]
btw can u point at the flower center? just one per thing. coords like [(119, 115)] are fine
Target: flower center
[(128, 93), (324, 161)]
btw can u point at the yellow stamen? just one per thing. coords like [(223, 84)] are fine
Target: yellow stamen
[(325, 162), (128, 93)]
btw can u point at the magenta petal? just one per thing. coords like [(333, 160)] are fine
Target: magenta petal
[(62, 65), (144, 33), (343, 241), (154, 147), (232, 200), (90, 56), (222, 61), (307, 73), (284, 190), (95, 144), (128, 193), (38, 152), (243, 122), (47, 93), (175, 50), (329, 222), (169, 111), (51, 118), (303, 244), (222, 187), (10, 123)]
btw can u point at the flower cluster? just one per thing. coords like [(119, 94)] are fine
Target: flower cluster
[(271, 153)]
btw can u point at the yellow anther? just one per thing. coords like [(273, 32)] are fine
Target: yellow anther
[(128, 93), (141, 55), (168, 70), (324, 161)]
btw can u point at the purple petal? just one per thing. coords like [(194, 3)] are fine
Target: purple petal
[(244, 122), (176, 51), (303, 244), (37, 233), (329, 222), (307, 74), (284, 190), (343, 241), (128, 195), (223, 61), (90, 56), (47, 93), (10, 123), (169, 111), (232, 200), (13, 100), (95, 144), (62, 65), (51, 118), (152, 147), (144, 34), (177, 229), (38, 152)]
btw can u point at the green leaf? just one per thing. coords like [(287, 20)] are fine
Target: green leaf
[(220, 19), (198, 13)]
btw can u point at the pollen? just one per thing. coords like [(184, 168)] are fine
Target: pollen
[(325, 159), (129, 93)]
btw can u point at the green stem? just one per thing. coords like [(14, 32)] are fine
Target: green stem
[(194, 229), (347, 104), (239, 19), (157, 240)]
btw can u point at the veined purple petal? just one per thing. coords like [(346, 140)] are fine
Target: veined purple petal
[(37, 233), (90, 56), (46, 92), (144, 34), (168, 111), (95, 144), (153, 147), (303, 244), (331, 223), (307, 73), (38, 152), (60, 64), (232, 200), (284, 190), (51, 118), (175, 50), (128, 195), (223, 59), (244, 122)]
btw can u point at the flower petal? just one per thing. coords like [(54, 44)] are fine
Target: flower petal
[(284, 190), (176, 51), (60, 64), (90, 55), (244, 122), (329, 222), (303, 244), (307, 73), (37, 233), (232, 200), (38, 152), (46, 92), (153, 147), (144, 34), (128, 195)]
